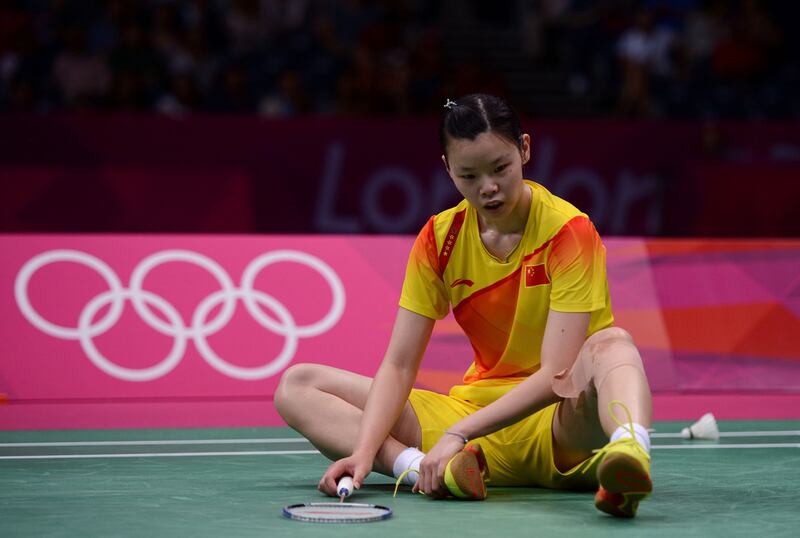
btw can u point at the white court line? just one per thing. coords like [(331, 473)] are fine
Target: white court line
[(297, 452), (785, 433), (164, 442), (160, 455), (754, 445)]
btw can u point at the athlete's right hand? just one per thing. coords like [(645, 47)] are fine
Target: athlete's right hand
[(356, 466)]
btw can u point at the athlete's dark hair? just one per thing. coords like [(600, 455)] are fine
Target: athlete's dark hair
[(478, 113)]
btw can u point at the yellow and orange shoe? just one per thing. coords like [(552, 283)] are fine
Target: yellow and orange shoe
[(623, 474), (466, 474)]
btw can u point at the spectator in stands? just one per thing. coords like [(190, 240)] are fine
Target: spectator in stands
[(182, 98), (233, 92), (81, 76), (646, 53), (290, 98), (138, 69), (246, 27)]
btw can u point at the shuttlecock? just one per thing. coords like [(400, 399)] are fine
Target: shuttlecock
[(705, 428)]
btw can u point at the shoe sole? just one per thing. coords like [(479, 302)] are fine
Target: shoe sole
[(464, 476), (623, 484)]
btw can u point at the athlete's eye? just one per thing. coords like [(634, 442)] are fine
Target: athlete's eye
[(501, 168), (467, 176)]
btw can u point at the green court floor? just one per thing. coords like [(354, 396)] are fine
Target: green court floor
[(234, 483)]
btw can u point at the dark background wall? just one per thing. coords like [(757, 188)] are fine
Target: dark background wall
[(344, 175), (661, 118)]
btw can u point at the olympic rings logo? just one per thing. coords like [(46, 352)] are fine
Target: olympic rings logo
[(201, 328)]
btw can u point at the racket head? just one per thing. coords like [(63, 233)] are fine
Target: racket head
[(335, 512)]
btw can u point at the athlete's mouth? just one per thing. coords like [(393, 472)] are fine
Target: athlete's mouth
[(491, 206)]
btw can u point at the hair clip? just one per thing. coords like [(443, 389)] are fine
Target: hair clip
[(450, 104)]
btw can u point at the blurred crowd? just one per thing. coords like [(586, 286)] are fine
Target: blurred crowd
[(686, 58), (648, 58)]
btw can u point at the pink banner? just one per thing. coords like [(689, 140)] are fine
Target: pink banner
[(159, 316), (116, 330)]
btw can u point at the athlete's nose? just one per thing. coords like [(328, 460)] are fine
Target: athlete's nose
[(489, 187)]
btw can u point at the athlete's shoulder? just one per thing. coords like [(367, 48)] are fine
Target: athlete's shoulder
[(553, 207), (551, 212), (442, 223)]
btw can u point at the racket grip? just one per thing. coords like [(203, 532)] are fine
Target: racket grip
[(345, 487)]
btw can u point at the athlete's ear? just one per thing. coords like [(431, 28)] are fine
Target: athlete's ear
[(446, 165), (525, 148)]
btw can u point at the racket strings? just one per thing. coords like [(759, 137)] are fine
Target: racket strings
[(337, 513)]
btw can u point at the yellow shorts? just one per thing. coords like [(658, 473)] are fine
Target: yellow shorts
[(518, 455)]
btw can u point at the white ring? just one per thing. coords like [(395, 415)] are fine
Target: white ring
[(146, 265), (241, 372), (132, 374), (175, 326), (330, 276), (75, 256)]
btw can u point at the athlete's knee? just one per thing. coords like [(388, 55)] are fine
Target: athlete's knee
[(608, 337), (293, 383), (608, 343), (610, 349), (604, 351), (301, 375)]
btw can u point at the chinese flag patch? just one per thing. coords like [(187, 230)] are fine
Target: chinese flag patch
[(535, 275)]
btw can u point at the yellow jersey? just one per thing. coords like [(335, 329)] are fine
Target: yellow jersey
[(502, 305)]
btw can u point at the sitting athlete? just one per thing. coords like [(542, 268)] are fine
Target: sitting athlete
[(525, 274)]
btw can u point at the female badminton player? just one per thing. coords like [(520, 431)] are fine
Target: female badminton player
[(525, 275)]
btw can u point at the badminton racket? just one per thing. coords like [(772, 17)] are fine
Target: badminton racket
[(337, 512)]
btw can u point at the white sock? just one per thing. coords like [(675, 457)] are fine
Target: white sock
[(408, 459), (642, 436)]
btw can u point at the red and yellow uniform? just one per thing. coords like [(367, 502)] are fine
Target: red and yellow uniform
[(502, 306)]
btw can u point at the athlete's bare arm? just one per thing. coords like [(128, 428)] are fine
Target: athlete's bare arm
[(387, 396)]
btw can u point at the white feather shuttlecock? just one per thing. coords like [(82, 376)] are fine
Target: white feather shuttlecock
[(704, 429)]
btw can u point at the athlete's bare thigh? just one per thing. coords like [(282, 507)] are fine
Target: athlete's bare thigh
[(577, 429), (353, 388)]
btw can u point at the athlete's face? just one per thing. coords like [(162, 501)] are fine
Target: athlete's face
[(487, 171)]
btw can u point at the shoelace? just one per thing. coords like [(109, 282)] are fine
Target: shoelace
[(628, 426), (400, 479)]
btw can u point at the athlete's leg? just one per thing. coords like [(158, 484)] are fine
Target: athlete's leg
[(608, 368), (325, 404)]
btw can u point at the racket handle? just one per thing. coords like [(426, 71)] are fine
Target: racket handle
[(345, 487)]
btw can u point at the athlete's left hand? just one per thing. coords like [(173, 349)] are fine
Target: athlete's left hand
[(431, 468)]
